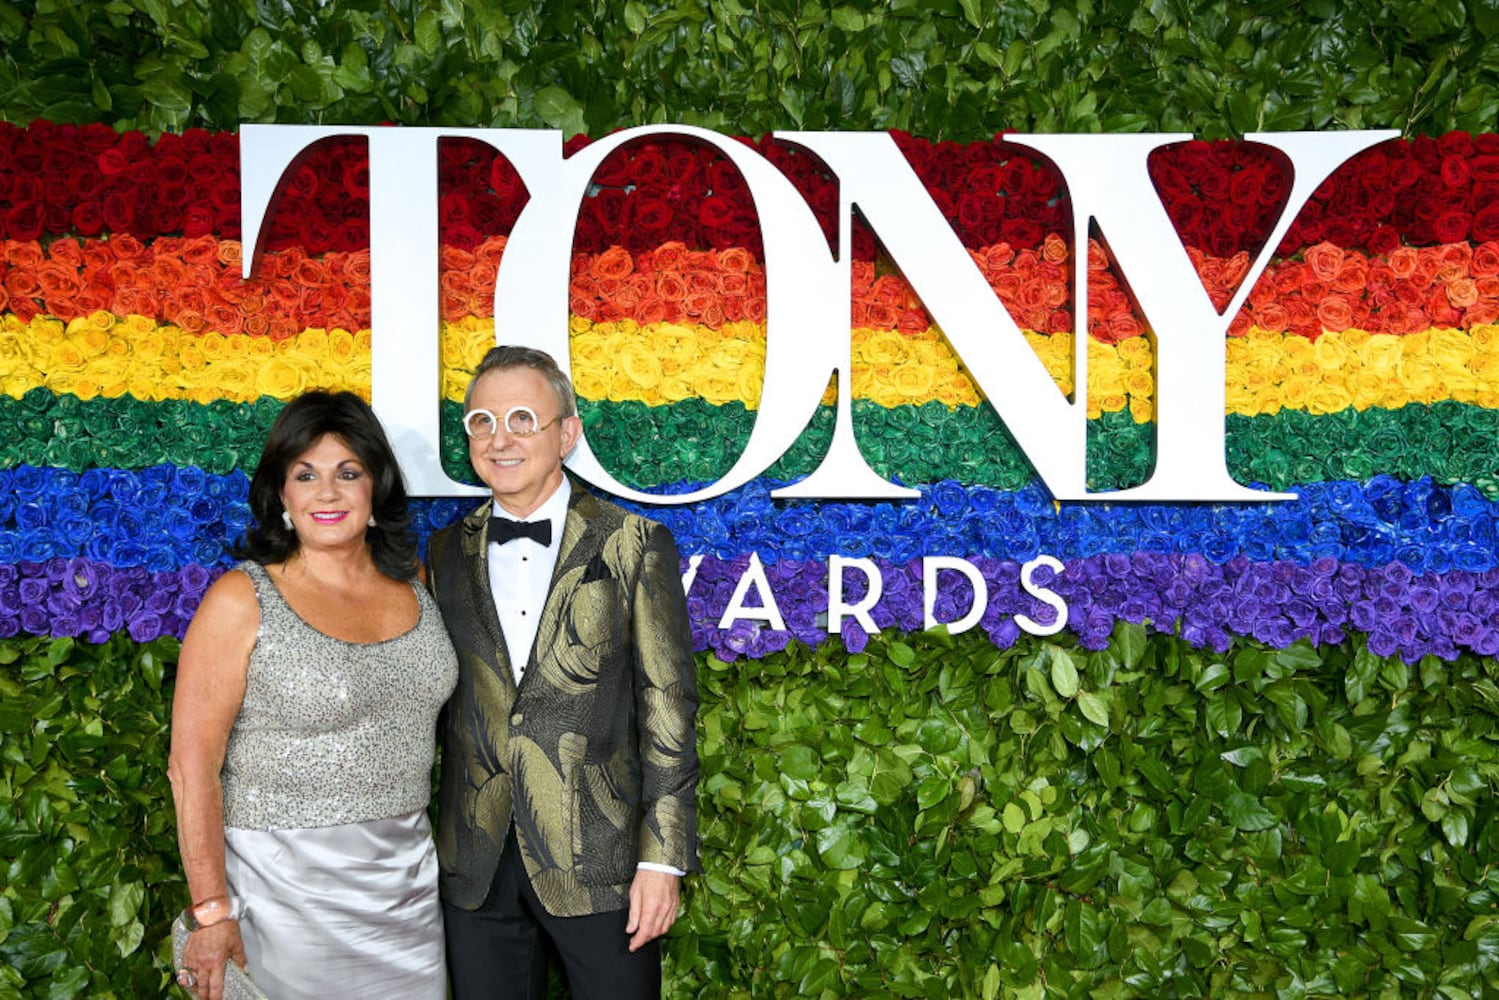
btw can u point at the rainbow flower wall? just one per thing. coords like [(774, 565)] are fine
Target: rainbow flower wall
[(1259, 760), (140, 373)]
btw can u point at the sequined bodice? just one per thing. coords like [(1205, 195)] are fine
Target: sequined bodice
[(334, 732)]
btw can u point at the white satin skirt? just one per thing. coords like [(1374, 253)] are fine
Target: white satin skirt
[(341, 911)]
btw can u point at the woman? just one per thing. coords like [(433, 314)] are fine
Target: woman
[(303, 729)]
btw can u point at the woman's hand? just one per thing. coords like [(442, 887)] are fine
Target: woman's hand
[(203, 958)]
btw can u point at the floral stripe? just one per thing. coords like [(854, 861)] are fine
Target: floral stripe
[(1276, 602), (1222, 196), (196, 285), (105, 355), (652, 447), (164, 518)]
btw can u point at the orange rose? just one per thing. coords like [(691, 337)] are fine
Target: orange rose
[(1462, 292), (1097, 259), (1485, 261), (310, 273), (735, 259), (1352, 276), (455, 259), (231, 254), (491, 250), (670, 286), (56, 280), (615, 262), (1054, 249), (1334, 313), (1403, 262), (697, 303), (1324, 259), (998, 257), (28, 254), (201, 250), (66, 252), (668, 255), (1483, 312)]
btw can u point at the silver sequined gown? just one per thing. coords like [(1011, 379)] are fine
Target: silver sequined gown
[(326, 780)]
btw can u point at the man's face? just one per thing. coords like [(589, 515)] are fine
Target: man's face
[(522, 472)]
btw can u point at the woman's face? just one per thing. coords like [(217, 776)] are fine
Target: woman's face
[(329, 495)]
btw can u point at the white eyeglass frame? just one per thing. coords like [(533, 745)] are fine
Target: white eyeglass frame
[(536, 426)]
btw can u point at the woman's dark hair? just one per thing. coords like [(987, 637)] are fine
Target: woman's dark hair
[(350, 419)]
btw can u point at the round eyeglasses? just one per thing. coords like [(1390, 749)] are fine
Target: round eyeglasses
[(520, 421)]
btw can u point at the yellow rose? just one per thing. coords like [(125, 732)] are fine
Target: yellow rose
[(1142, 409), (751, 380), (743, 329), (676, 387), (1329, 397), (911, 383), (880, 347), (340, 344), (46, 330), (1331, 353), (137, 325), (1381, 354), (1295, 391), (1358, 339), (720, 387), (674, 344), (311, 343), (66, 355), (1112, 402), (356, 378), (639, 365), (1452, 350), (588, 383), (1139, 384), (279, 378), (261, 347)]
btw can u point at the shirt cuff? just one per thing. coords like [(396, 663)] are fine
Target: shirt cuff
[(651, 866)]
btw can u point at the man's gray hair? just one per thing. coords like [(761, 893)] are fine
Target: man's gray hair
[(508, 356)]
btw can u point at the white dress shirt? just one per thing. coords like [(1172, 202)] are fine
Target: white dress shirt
[(520, 576)]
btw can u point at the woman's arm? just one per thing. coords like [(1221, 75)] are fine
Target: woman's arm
[(210, 688)]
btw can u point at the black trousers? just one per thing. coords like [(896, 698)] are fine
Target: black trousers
[(500, 950)]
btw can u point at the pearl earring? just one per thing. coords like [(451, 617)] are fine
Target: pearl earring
[(286, 520), (371, 522)]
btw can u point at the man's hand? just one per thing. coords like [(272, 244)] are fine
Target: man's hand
[(653, 906)]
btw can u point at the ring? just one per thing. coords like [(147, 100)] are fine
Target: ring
[(186, 979)]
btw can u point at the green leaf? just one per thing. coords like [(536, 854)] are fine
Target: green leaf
[(1063, 673), (1093, 707), (1247, 812)]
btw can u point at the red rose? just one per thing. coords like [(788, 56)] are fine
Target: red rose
[(1454, 171), (1455, 144), (1485, 223), (1450, 226), (1383, 240)]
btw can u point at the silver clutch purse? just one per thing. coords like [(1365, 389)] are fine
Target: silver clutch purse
[(237, 982)]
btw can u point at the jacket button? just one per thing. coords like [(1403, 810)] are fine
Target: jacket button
[(515, 719)]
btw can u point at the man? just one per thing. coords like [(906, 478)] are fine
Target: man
[(566, 807)]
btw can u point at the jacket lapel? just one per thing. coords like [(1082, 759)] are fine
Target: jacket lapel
[(574, 527), (476, 562)]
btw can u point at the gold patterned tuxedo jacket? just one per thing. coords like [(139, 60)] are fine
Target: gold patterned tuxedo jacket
[(594, 756)]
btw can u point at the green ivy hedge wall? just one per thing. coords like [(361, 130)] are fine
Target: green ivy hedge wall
[(932, 817)]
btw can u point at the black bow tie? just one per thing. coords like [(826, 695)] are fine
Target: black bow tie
[(503, 529)]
